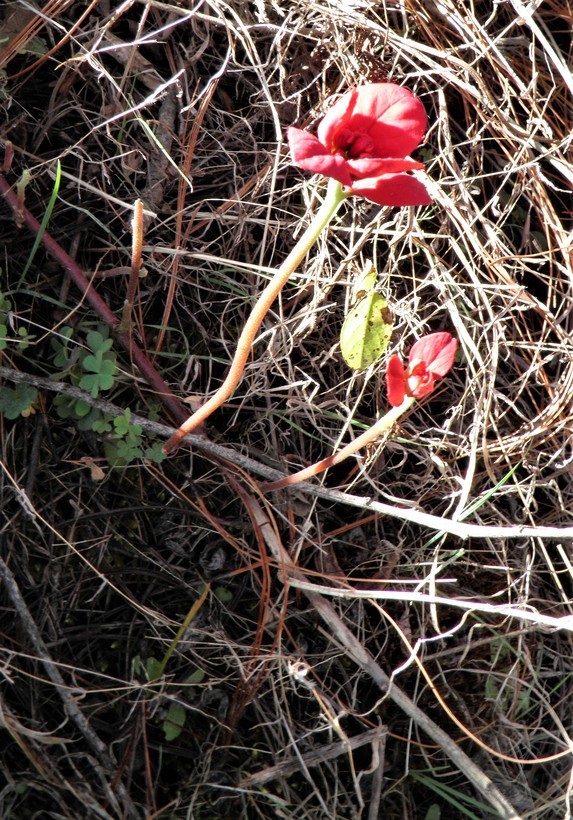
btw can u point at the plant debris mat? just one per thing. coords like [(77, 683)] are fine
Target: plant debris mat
[(392, 638)]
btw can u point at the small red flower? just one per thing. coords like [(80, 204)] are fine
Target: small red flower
[(364, 140), (430, 358)]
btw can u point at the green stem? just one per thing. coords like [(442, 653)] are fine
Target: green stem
[(334, 197), (370, 435), (180, 632)]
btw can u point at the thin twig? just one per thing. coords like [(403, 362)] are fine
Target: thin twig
[(329, 752), (461, 529)]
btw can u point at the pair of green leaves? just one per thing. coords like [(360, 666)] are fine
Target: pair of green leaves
[(367, 329)]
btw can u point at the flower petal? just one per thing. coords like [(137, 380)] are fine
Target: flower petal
[(362, 168), (399, 118), (395, 381), (393, 189), (310, 154), (436, 351), (392, 116), (337, 117), (419, 385)]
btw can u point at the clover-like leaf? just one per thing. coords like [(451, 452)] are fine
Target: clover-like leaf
[(18, 401), (102, 425), (81, 408), (124, 427), (121, 452), (62, 348), (96, 341), (155, 453), (25, 339), (154, 669), (101, 369)]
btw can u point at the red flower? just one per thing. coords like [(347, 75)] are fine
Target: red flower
[(363, 142), (430, 358)]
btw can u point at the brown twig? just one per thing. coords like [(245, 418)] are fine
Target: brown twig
[(136, 245)]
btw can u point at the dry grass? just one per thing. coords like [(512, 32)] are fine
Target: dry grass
[(275, 697)]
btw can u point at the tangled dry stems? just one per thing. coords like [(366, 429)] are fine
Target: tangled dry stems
[(186, 109)]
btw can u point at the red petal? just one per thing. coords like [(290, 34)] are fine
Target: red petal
[(310, 154), (337, 117), (392, 116), (361, 168), (394, 189), (420, 386), (437, 351), (401, 126), (395, 376)]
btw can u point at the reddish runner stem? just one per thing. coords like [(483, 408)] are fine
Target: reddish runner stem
[(334, 197), (370, 435)]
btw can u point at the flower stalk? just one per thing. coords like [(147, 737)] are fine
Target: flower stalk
[(334, 197), (430, 358), (373, 433)]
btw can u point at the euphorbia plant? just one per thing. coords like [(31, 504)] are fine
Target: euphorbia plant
[(430, 358), (362, 145)]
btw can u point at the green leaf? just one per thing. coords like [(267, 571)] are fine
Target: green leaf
[(93, 363), (154, 669), (223, 594), (94, 420), (365, 282), (95, 341), (155, 453), (121, 423), (121, 452), (26, 339), (195, 677), (60, 345), (48, 213), (124, 428), (366, 331), (103, 370), (82, 408), (174, 722), (101, 424), (37, 46), (137, 665), (17, 401), (491, 688)]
